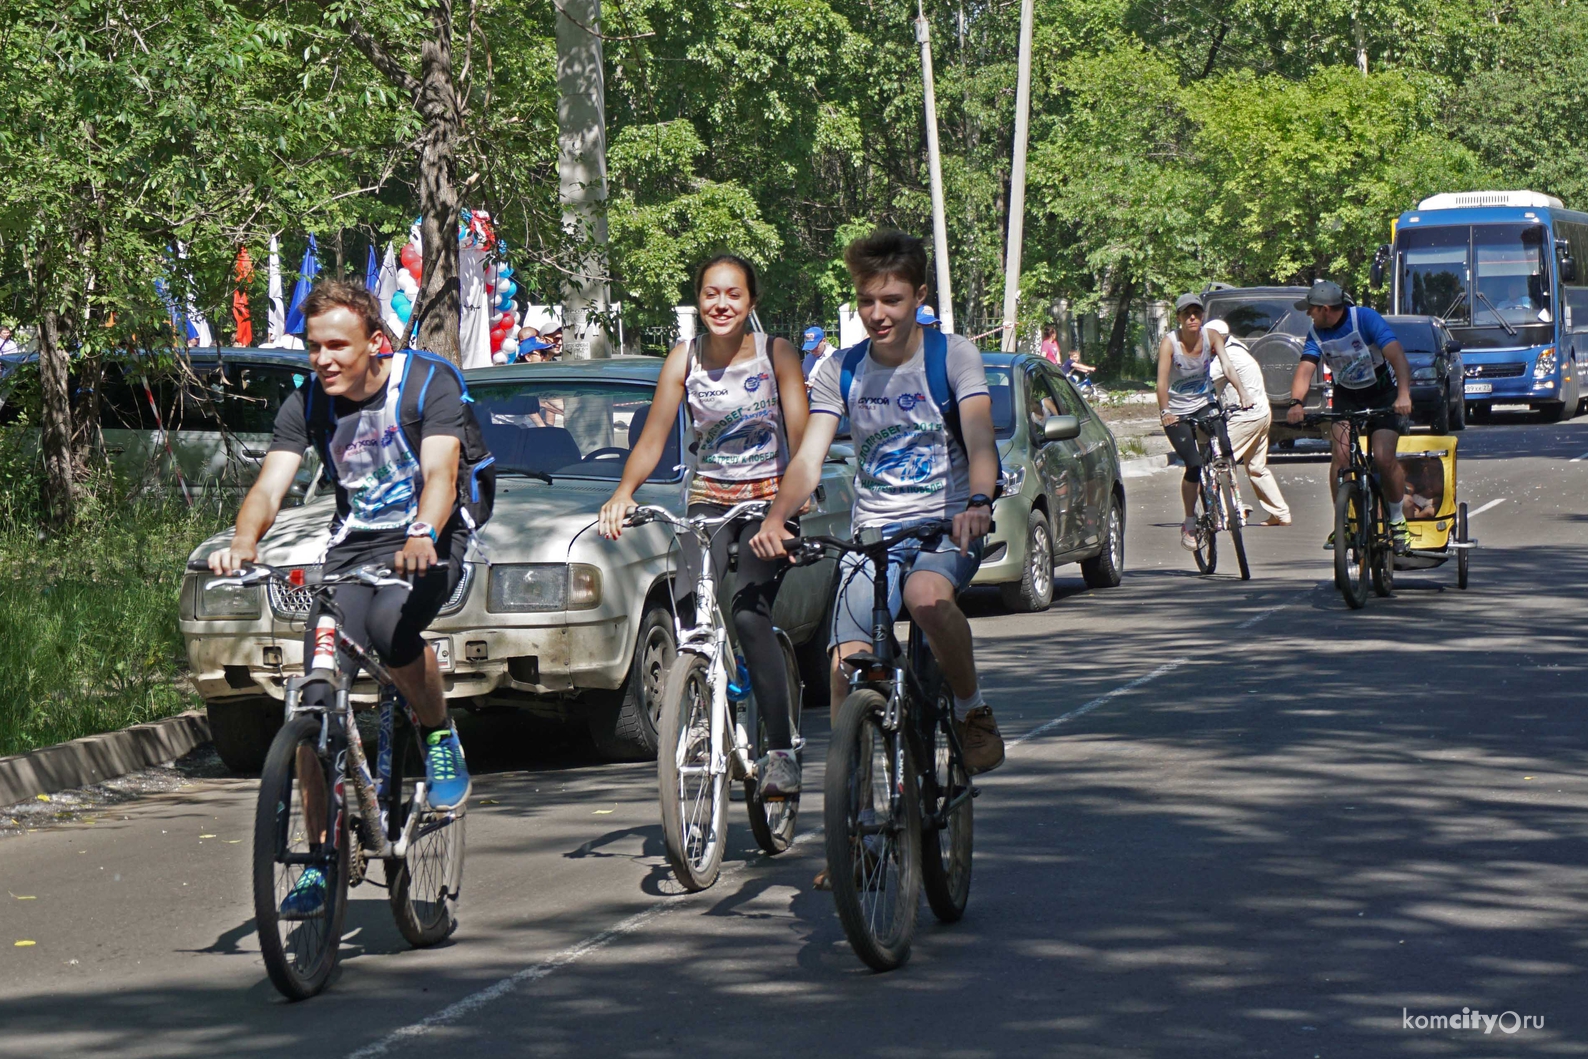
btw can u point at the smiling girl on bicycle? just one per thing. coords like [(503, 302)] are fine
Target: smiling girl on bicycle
[(747, 403)]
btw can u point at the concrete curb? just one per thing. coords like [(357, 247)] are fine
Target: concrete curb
[(95, 758), (1144, 466)]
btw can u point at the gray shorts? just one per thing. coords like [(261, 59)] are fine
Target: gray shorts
[(852, 608)]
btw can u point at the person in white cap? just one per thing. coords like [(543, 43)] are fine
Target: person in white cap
[(1248, 426)]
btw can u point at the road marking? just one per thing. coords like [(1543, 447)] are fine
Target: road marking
[(1106, 697), (1579, 459), (1485, 507), (1260, 615)]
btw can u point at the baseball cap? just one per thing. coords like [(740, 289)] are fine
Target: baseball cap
[(1188, 301), (813, 338), (1324, 293), (925, 316), (530, 345), (1217, 325)]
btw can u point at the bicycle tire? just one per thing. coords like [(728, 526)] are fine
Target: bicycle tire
[(947, 851), (1461, 537), (424, 885), (301, 954), (694, 799), (1207, 549), (1232, 516), (1383, 556), (876, 884), (1350, 559), (772, 822)]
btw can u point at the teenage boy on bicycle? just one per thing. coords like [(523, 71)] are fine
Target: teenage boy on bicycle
[(393, 506), (913, 468)]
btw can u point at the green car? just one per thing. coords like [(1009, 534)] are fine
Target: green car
[(1064, 498)]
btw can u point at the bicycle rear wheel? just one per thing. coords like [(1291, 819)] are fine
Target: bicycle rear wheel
[(772, 821), (1350, 547), (1383, 562), (1231, 498), (300, 952), (873, 831), (1207, 549), (691, 775), (425, 883)]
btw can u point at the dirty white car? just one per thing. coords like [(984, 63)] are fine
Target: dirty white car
[(549, 617)]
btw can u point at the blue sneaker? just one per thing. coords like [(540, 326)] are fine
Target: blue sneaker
[(307, 897), (447, 783)]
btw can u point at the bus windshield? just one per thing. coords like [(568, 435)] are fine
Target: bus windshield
[(1489, 282)]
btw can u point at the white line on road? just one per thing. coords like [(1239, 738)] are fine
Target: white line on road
[(1260, 615), (1106, 697), (1485, 507), (1579, 459)]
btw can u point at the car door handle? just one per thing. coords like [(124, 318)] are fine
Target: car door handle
[(821, 494)]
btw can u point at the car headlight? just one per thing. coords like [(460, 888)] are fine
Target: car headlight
[(1427, 374), (530, 587), (223, 602), (1545, 364), (1013, 478)]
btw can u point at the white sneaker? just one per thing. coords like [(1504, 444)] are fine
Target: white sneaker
[(1188, 535)]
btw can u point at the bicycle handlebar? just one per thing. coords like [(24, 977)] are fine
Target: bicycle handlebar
[(375, 575), (699, 524), (810, 549), (1363, 414)]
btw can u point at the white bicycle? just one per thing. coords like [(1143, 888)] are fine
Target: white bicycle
[(712, 731)]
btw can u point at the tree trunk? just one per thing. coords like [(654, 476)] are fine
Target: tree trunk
[(59, 487), (439, 302), (1114, 355)]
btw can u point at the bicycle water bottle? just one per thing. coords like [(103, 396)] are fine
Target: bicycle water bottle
[(739, 687)]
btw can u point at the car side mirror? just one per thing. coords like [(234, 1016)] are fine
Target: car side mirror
[(1376, 272), (1452, 346), (1061, 428)]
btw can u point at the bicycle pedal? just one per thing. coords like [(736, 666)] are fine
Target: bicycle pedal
[(975, 791)]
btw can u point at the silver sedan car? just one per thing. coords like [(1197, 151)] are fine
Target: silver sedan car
[(550, 617)]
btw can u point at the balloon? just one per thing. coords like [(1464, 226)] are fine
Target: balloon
[(510, 345), (496, 340), (504, 270), (406, 284), (499, 358), (413, 270), (509, 288), (411, 257)]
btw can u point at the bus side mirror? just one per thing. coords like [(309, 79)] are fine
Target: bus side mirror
[(1376, 273), (1568, 264)]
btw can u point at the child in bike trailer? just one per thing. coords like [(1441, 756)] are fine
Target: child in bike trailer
[(413, 480), (921, 418), (1185, 393), (1369, 368), (746, 398)]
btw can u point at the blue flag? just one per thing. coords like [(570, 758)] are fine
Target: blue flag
[(371, 271), (307, 270)]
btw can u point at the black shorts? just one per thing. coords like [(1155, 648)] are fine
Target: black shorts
[(1347, 400)]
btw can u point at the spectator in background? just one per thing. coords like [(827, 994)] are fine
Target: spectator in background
[(1249, 426), (1050, 343), (526, 333), (925, 317), (816, 349), (553, 335), (8, 345), (1071, 365)]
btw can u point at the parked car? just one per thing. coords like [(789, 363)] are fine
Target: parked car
[(549, 617), (1438, 374), (1267, 320), (1065, 498)]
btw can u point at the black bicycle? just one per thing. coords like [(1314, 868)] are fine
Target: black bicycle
[(1220, 496), (304, 823), (895, 775), (1364, 539)]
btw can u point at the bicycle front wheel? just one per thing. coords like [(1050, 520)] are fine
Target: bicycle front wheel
[(873, 832), (1232, 517), (947, 824), (1383, 549), (1350, 547), (425, 883), (299, 945), (772, 820), (692, 775), (1207, 549)]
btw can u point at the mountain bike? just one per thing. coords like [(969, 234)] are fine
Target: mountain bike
[(898, 813), (712, 730), (1364, 540), (1220, 497), (304, 819)]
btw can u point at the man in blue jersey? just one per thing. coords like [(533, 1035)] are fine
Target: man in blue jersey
[(1370, 371)]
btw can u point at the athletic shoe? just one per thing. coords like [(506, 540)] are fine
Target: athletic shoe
[(447, 782), (1403, 538), (1188, 535), (779, 774), (307, 897), (1328, 545), (984, 746)]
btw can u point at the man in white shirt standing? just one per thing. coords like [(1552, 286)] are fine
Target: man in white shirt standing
[(1249, 427)]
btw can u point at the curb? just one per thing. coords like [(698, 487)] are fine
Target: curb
[(96, 758), (1144, 466)]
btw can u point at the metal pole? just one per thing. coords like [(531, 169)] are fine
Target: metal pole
[(582, 171), (1017, 181), (945, 291)]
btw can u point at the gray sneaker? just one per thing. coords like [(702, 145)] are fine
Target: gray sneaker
[(780, 774)]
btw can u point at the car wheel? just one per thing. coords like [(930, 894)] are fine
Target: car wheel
[(1034, 591), (1107, 567), (1440, 421), (1458, 414), (242, 730), (624, 723), (1478, 413)]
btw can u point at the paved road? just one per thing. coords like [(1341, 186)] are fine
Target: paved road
[(1294, 827)]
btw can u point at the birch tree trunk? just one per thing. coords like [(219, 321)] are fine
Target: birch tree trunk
[(60, 500)]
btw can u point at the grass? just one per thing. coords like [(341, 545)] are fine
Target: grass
[(89, 640)]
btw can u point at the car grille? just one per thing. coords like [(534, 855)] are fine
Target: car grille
[(293, 603), (1495, 371)]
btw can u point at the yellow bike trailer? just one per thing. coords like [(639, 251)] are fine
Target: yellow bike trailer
[(1436, 520)]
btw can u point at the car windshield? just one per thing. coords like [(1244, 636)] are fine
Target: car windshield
[(569, 428), (1000, 388), (1251, 317), (1488, 281), (1415, 337)]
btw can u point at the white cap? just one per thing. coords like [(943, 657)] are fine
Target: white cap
[(1217, 325)]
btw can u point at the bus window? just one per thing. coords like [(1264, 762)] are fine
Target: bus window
[(1511, 282), (1434, 272)]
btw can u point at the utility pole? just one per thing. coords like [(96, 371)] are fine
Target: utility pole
[(582, 172), (945, 291), (1017, 181)]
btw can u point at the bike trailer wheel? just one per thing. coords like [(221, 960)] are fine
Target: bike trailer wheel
[(1461, 537), (1232, 517), (692, 775), (425, 883), (1350, 549), (873, 832), (299, 946), (772, 821)]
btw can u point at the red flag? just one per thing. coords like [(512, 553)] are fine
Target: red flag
[(240, 313)]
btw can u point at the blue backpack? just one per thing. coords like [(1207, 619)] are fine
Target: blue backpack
[(934, 347)]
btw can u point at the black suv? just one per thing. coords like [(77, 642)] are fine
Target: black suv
[(1267, 321)]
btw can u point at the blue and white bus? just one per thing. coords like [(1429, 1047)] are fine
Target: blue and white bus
[(1504, 270)]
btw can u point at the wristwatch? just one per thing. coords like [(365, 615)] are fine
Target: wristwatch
[(978, 500), (1294, 402), (422, 529)]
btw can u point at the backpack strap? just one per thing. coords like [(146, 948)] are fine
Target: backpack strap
[(934, 350), (846, 368)]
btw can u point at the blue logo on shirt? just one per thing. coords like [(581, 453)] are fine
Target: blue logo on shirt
[(753, 383), (908, 401)]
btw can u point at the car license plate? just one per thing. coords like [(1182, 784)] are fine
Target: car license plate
[(1480, 387), (443, 646)]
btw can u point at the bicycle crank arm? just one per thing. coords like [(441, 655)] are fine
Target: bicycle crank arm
[(399, 849)]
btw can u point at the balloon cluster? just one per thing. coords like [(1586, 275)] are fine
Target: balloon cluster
[(506, 313), (402, 302)]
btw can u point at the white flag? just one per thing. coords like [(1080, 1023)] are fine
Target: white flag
[(278, 306), (384, 289)]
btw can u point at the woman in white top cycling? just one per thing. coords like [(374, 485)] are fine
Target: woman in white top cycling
[(748, 406), (1185, 394)]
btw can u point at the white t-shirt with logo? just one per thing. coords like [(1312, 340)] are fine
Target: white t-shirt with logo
[(910, 465)]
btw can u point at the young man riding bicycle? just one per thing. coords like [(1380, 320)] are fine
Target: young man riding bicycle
[(914, 467), (1370, 372), (394, 507)]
